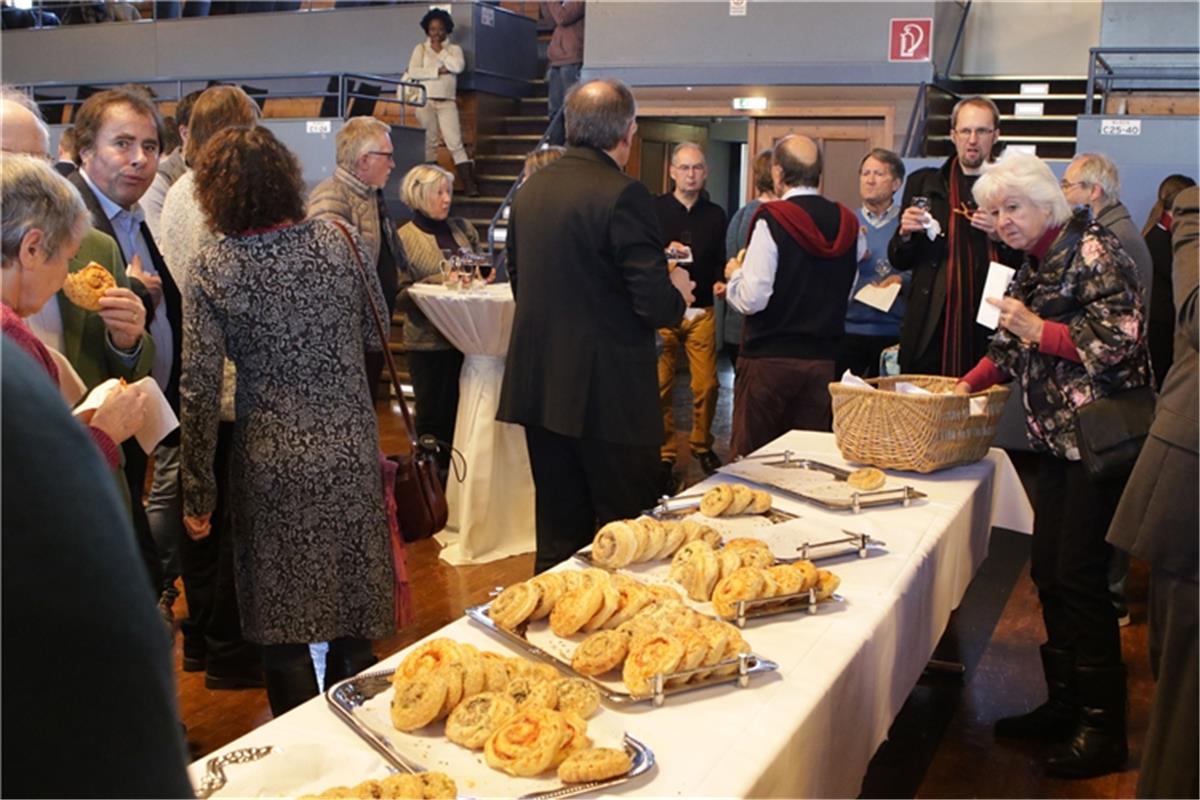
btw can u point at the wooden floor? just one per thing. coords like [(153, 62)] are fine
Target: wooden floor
[(941, 743)]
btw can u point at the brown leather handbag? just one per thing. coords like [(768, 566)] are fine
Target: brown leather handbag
[(421, 509)]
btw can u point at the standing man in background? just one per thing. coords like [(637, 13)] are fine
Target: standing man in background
[(792, 286), (591, 283), (870, 329), (948, 247), (690, 221), (565, 56)]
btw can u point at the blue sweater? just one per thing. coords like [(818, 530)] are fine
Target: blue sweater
[(861, 319)]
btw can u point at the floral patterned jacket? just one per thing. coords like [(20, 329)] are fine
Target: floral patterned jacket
[(1087, 282)]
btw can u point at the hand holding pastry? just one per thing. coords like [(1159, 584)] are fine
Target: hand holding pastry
[(124, 316)]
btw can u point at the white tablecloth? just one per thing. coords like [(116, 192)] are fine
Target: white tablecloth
[(491, 512), (811, 728)]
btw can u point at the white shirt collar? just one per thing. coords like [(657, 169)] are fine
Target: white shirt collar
[(799, 191), (879, 220)]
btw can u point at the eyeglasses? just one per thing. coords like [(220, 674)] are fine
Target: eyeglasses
[(388, 154), (690, 167), (967, 133), (1066, 184)]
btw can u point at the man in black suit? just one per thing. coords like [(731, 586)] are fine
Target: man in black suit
[(591, 283), (118, 135)]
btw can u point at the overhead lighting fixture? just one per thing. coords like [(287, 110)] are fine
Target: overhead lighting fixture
[(749, 104)]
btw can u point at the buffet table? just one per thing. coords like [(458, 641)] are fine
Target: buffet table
[(491, 511), (812, 727)]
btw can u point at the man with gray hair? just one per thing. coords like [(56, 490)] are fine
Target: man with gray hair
[(353, 194), (694, 225), (589, 274), (1092, 180)]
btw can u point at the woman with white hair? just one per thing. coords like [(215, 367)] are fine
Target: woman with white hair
[(433, 362), (42, 225), (1072, 330)]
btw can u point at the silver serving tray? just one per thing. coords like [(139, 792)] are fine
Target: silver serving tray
[(681, 505), (346, 696), (902, 496), (747, 664), (782, 604), (860, 543)]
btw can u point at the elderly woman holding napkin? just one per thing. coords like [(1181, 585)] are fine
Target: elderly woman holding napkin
[(1072, 332)]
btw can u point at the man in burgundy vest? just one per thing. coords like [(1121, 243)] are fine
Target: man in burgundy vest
[(793, 287)]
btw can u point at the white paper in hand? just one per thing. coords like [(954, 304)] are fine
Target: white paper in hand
[(160, 420), (998, 278), (881, 298)]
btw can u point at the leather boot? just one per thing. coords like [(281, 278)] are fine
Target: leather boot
[(466, 174), (1098, 744), (289, 685), (346, 658), (1054, 720)]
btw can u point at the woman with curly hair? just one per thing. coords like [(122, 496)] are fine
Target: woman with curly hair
[(436, 63), (1072, 331), (285, 300)]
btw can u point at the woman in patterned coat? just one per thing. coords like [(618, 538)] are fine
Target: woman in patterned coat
[(1072, 330), (284, 299)]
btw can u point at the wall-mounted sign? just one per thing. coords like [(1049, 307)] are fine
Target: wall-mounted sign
[(910, 39), (737, 8), (487, 16), (318, 126), (749, 103), (1120, 127)]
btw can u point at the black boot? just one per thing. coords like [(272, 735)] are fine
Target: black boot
[(1054, 720), (289, 685), (466, 174), (1098, 744), (346, 658)]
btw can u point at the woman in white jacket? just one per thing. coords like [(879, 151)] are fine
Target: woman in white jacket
[(436, 62)]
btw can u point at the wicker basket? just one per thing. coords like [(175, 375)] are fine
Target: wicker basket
[(920, 433)]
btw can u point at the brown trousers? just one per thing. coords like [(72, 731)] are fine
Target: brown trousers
[(698, 338), (772, 396)]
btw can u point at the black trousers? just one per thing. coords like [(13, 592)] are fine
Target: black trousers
[(860, 354), (213, 629), (581, 484), (135, 477), (435, 384), (1169, 767), (1069, 560)]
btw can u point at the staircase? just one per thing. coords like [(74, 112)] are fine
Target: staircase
[(1046, 122), (501, 144)]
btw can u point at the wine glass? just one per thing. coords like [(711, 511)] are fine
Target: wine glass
[(922, 202), (485, 270), (883, 268)]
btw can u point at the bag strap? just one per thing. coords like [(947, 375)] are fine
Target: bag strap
[(383, 340)]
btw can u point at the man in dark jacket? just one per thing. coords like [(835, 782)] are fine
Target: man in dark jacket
[(1157, 522), (948, 246), (591, 284)]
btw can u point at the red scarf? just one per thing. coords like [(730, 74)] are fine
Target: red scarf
[(957, 327), (800, 226)]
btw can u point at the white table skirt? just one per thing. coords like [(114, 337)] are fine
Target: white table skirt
[(491, 511), (811, 728)]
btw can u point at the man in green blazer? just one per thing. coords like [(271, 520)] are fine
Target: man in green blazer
[(85, 341)]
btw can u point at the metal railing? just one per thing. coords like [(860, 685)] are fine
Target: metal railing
[(347, 89), (958, 37), (512, 190), (1103, 73), (51, 14), (918, 121)]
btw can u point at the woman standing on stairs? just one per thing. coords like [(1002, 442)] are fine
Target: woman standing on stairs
[(436, 62)]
